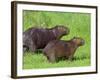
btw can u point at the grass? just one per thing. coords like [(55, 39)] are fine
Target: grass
[(79, 25), (39, 61)]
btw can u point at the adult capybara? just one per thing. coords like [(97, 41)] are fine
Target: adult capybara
[(62, 49), (37, 38)]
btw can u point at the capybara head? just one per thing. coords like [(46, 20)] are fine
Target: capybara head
[(60, 30), (78, 41)]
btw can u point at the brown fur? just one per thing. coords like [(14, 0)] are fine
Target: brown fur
[(38, 38), (60, 48)]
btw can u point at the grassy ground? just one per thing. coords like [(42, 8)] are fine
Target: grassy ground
[(79, 25)]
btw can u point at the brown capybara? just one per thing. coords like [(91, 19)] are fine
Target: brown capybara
[(37, 38), (62, 49)]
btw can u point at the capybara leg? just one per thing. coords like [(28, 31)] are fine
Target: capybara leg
[(32, 48), (52, 58)]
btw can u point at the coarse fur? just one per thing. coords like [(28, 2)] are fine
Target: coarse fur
[(62, 49), (37, 38)]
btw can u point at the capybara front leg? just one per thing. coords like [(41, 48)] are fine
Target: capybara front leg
[(52, 58), (32, 47)]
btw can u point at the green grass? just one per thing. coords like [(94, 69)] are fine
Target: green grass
[(79, 25), (39, 61)]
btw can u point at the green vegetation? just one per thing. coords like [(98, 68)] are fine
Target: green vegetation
[(79, 25)]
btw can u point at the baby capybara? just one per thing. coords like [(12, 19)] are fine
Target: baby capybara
[(62, 49), (37, 38)]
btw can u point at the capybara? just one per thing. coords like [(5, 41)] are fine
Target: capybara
[(62, 49), (37, 38)]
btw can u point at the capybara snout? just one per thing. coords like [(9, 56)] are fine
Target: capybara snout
[(62, 29), (78, 41)]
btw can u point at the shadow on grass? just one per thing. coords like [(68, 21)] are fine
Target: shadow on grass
[(39, 51)]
